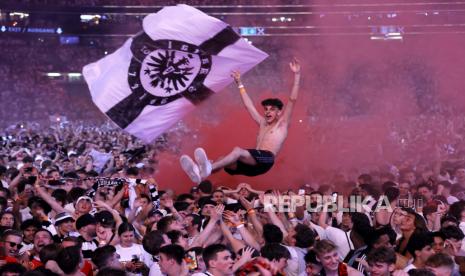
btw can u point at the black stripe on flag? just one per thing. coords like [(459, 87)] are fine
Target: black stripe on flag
[(128, 109), (221, 40), (201, 94)]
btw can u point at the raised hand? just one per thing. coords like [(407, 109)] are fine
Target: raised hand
[(236, 75), (232, 217), (218, 213), (295, 66), (247, 204)]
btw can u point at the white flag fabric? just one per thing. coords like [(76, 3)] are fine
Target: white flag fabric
[(182, 57)]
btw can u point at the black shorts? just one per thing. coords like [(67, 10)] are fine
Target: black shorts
[(264, 159)]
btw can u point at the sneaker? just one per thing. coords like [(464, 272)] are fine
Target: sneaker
[(205, 165), (191, 169)]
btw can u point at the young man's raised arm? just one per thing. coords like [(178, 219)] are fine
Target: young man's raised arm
[(246, 99), (295, 67)]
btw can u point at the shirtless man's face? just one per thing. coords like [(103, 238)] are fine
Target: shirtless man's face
[(271, 113)]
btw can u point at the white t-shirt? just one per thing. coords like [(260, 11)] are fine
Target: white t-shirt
[(341, 239), (126, 253), (155, 270)]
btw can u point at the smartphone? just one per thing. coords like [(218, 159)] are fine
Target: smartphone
[(191, 260), (301, 192), (135, 259)]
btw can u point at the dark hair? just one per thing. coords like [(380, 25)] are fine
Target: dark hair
[(146, 196), (173, 251), (452, 232), (365, 177), (369, 188), (420, 272), (102, 254), (274, 251), (392, 193), (382, 255), (420, 223), (196, 220), (456, 209), (272, 233), (438, 234), (68, 259), (418, 241), (49, 252), (440, 259), (111, 272), (174, 236), (183, 197), (35, 200), (6, 191), (164, 223), (152, 242), (310, 258), (30, 222), (273, 102), (387, 185), (385, 230), (304, 236), (134, 171), (424, 185), (181, 206), (361, 225), (446, 184), (41, 271), (206, 187), (75, 193), (60, 195), (12, 268), (210, 252), (125, 227), (449, 218)]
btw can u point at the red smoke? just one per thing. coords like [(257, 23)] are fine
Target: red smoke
[(354, 90)]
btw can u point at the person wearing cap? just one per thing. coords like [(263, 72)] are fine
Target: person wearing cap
[(105, 228), (85, 225), (84, 205), (64, 224)]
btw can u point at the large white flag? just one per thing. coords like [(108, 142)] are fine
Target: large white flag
[(182, 57)]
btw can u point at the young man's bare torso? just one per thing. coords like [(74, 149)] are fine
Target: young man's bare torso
[(273, 128)]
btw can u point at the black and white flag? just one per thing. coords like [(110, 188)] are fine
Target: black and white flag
[(182, 57)]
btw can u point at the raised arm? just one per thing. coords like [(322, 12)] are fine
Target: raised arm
[(295, 67), (245, 98)]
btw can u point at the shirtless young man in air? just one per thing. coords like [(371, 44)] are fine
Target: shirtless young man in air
[(271, 135)]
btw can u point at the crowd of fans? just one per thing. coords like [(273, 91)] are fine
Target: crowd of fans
[(79, 197), (80, 200)]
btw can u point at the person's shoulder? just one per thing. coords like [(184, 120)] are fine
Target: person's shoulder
[(334, 231), (353, 272)]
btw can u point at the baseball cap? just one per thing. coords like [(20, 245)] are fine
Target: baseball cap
[(85, 220), (62, 217)]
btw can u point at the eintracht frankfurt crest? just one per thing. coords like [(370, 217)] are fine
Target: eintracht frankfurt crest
[(166, 70)]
